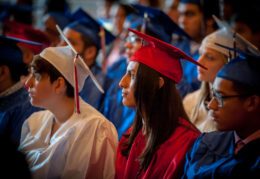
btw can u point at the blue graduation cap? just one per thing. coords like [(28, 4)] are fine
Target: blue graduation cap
[(243, 69), (61, 18), (9, 51), (157, 22), (237, 37), (197, 2), (21, 13), (89, 27)]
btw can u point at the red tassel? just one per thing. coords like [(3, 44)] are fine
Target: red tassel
[(103, 45), (76, 85)]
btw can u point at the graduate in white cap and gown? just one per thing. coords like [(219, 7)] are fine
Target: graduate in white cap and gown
[(70, 139)]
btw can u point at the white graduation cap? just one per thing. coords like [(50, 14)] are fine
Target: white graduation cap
[(237, 38), (223, 37), (67, 61)]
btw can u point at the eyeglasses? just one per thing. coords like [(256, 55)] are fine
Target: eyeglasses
[(132, 38), (219, 98)]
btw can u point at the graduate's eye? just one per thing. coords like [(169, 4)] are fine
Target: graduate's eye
[(189, 14), (132, 75), (210, 57), (37, 76)]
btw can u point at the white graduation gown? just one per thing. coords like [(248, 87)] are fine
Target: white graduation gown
[(203, 121), (83, 147)]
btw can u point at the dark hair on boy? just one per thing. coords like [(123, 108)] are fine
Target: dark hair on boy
[(16, 69), (42, 66)]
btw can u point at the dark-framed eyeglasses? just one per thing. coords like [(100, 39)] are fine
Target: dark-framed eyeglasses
[(220, 99)]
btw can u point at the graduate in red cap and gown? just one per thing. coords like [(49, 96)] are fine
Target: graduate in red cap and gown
[(26, 32), (156, 145), (153, 22)]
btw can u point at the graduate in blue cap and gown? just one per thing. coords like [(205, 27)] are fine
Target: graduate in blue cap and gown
[(86, 35), (157, 24), (49, 24), (15, 106), (234, 150), (195, 17), (20, 12), (156, 145)]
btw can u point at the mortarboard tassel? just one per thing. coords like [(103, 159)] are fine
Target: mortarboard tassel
[(234, 43), (143, 28), (102, 43), (76, 90)]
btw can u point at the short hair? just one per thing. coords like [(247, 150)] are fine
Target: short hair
[(88, 43), (248, 16), (243, 89), (42, 66), (16, 69), (128, 9)]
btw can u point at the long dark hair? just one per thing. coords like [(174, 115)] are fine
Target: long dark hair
[(159, 107)]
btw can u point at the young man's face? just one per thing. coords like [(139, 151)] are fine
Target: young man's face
[(191, 20), (41, 90), (232, 115), (75, 39), (132, 44), (50, 30)]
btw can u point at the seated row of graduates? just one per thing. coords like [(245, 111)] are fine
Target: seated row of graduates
[(161, 134)]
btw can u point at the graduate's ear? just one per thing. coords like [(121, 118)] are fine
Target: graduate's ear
[(27, 54), (89, 55), (252, 103), (161, 82), (60, 85), (4, 72)]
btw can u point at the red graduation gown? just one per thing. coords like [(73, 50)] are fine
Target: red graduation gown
[(168, 160)]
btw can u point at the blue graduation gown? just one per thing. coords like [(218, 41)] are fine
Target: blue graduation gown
[(212, 156), (14, 110), (190, 73), (184, 87), (90, 93), (114, 110)]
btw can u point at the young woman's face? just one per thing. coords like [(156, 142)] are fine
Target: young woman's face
[(213, 60), (41, 90), (128, 83)]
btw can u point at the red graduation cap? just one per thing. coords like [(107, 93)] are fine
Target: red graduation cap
[(27, 32), (161, 57)]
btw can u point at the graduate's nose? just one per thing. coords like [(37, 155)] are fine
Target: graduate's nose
[(213, 104), (122, 82), (28, 82)]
